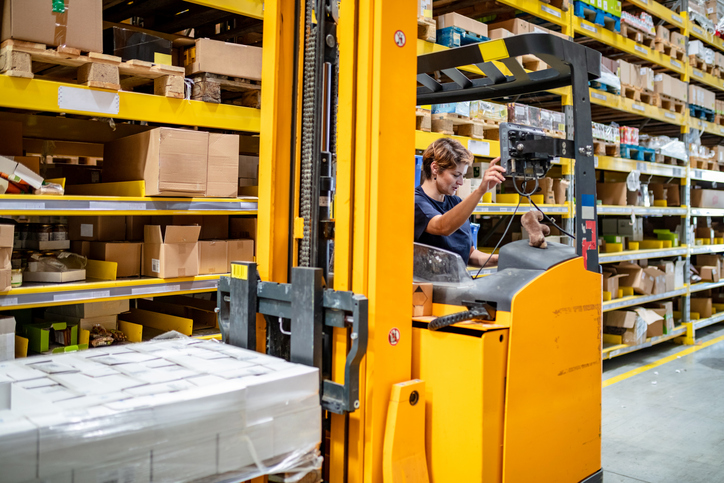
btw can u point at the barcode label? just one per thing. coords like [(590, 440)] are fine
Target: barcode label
[(6, 301), (155, 265), (670, 115), (82, 295), (547, 9), (676, 18), (158, 289), (638, 107), (641, 49), (590, 28), (596, 95), (676, 64)]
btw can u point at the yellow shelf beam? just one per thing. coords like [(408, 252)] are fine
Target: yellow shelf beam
[(42, 95), (540, 10), (708, 127), (658, 10), (247, 8), (624, 165), (705, 36), (705, 78), (625, 104)]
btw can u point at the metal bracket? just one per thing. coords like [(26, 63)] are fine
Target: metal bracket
[(310, 307)]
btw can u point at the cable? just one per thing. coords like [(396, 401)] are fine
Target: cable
[(512, 217), (552, 222)]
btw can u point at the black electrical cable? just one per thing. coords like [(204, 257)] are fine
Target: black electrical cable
[(512, 217), (553, 222)]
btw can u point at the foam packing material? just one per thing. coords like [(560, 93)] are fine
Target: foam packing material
[(170, 410)]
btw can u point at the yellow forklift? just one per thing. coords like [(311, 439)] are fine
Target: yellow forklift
[(503, 383)]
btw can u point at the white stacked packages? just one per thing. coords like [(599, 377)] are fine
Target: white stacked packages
[(173, 410)]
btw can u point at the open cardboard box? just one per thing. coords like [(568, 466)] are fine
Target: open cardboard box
[(174, 253)]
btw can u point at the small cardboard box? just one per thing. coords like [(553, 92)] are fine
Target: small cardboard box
[(702, 306), (679, 274), (515, 26), (54, 277), (215, 227), (646, 78), (92, 309), (641, 282), (172, 162), (7, 338), (665, 310), (625, 326), (663, 33), (243, 228), (421, 299), (5, 279), (610, 283), (126, 254), (709, 260), (223, 166), (659, 280), (97, 228), (134, 227), (499, 33), (214, 57), (249, 167), (709, 273), (702, 198), (664, 84), (463, 22), (80, 247), (79, 27), (213, 256), (678, 40), (706, 233), (669, 271), (239, 251), (635, 232), (174, 253), (108, 322), (654, 322), (611, 193)]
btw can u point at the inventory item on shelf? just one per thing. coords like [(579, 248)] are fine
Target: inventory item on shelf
[(129, 44), (170, 253), (49, 267), (223, 58)]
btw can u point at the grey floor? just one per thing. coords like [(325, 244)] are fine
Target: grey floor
[(666, 424)]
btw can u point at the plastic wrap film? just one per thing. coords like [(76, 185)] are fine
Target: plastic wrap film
[(432, 264), (609, 78), (667, 146), (60, 12), (63, 262), (161, 411), (629, 135)]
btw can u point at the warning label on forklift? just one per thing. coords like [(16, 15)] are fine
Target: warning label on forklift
[(394, 336)]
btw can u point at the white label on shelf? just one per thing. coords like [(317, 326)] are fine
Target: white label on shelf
[(479, 148), (599, 96), (721, 130), (157, 289), (676, 18), (645, 2), (701, 124), (32, 206), (87, 100), (155, 265), (82, 295), (6, 301), (547, 9), (641, 49), (638, 107), (670, 115), (86, 230), (698, 73), (641, 166), (590, 28), (595, 161), (697, 30), (115, 205), (676, 64), (698, 173)]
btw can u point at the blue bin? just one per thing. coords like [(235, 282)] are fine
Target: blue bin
[(418, 170), (474, 229)]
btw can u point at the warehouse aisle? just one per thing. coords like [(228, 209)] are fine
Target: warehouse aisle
[(666, 424)]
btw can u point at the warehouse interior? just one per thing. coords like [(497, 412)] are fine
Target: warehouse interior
[(210, 219)]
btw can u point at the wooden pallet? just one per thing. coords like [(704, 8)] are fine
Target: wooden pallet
[(650, 98), (427, 29), (209, 88), (423, 120), (30, 60), (667, 48), (631, 92), (719, 120), (533, 63), (671, 104), (660, 158), (643, 38), (698, 63), (603, 148), (562, 5)]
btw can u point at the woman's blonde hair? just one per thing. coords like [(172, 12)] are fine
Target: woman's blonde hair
[(447, 153)]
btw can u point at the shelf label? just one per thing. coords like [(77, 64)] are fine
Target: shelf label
[(641, 166), (638, 107), (698, 173), (7, 301), (641, 49), (676, 18), (590, 28), (479, 148), (596, 95), (697, 30), (698, 73), (595, 161), (701, 124), (156, 289), (31, 206), (721, 130), (81, 295), (676, 64), (677, 172), (548, 10), (645, 2), (670, 115), (113, 205), (87, 100)]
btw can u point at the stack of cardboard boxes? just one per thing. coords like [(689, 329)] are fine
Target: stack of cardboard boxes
[(698, 96), (7, 236), (643, 278)]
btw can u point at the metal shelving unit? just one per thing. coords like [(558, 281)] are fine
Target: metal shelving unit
[(635, 300), (642, 254)]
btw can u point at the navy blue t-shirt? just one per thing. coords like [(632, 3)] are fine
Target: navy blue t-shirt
[(426, 209)]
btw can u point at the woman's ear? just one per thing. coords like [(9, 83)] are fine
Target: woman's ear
[(433, 168)]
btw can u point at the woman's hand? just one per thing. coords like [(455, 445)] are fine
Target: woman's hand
[(492, 177)]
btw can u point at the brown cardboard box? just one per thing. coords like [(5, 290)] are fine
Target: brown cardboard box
[(172, 162), (465, 23), (626, 324), (678, 40), (97, 228), (243, 227), (500, 33), (515, 26), (646, 78), (92, 309), (560, 186), (705, 233), (213, 257), (707, 198), (668, 192), (5, 276), (665, 310), (174, 253), (659, 280), (11, 138), (80, 247), (709, 260), (421, 299), (30, 162), (249, 167), (641, 282), (709, 273), (80, 27), (610, 283), (134, 227), (669, 270), (664, 84), (702, 306), (214, 57), (7, 235), (239, 251), (628, 73), (223, 166), (654, 322), (108, 322), (663, 33), (611, 193), (126, 254), (215, 227)]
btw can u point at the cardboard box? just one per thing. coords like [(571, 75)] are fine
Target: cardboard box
[(223, 166), (129, 44), (91, 309), (126, 254), (421, 299), (663, 33), (97, 228), (659, 280), (646, 78), (214, 57), (249, 167), (515, 26), (666, 311), (610, 283), (706, 233), (5, 279), (679, 274), (499, 33), (41, 334), (134, 227), (7, 338), (243, 227), (702, 306), (11, 138), (215, 227), (80, 247), (669, 271), (654, 322), (213, 256), (641, 282), (702, 198), (678, 40), (172, 162), (634, 231), (54, 277), (627, 325), (80, 27), (664, 84), (108, 322), (174, 253), (19, 173), (239, 251), (709, 260), (611, 193), (463, 22), (709, 273)]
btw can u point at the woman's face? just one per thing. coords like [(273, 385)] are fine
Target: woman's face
[(449, 180)]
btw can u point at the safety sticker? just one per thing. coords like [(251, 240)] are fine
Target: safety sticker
[(394, 336)]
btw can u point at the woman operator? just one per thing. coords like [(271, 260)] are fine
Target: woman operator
[(441, 218)]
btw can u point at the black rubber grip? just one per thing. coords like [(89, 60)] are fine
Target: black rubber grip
[(448, 320)]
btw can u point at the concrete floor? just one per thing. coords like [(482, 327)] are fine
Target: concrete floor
[(666, 424)]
